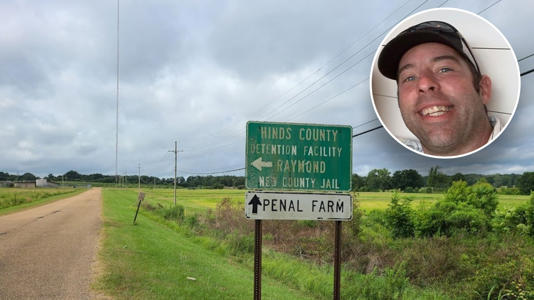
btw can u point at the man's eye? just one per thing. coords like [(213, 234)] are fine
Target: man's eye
[(409, 78), (444, 69)]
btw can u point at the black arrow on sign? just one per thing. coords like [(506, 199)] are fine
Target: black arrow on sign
[(255, 202)]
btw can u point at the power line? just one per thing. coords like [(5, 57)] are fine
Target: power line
[(332, 79), (333, 97), (367, 131), (332, 59), (527, 72), (480, 12), (519, 60), (212, 173), (339, 65), (364, 123)]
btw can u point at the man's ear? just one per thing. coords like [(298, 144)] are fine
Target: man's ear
[(485, 89)]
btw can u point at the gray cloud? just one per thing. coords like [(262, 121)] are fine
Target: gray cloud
[(196, 72)]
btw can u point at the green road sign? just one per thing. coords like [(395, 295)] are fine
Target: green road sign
[(289, 156)]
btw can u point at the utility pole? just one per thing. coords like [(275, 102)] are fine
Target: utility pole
[(139, 177), (175, 151), (117, 111)]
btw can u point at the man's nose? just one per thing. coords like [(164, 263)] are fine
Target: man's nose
[(427, 82)]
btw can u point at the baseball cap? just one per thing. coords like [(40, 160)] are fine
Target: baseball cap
[(426, 32)]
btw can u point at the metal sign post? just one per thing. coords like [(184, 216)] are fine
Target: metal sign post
[(257, 260), (337, 261)]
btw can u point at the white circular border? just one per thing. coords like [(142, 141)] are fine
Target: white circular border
[(449, 15)]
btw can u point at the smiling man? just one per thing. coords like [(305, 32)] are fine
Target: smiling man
[(442, 95)]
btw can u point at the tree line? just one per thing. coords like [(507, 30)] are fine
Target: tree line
[(190, 182), (408, 180)]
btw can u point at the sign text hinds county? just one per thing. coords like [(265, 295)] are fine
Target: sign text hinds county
[(298, 206), (289, 156)]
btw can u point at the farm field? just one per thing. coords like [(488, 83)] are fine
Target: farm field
[(194, 200), (197, 200), (15, 199), (380, 200)]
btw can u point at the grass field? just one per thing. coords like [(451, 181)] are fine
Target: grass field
[(197, 200), (380, 200), (194, 200), (15, 199)]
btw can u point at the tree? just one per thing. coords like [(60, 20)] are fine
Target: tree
[(399, 217), (407, 178), (27, 177), (378, 179), (72, 175), (458, 177), (530, 214), (526, 183), (437, 179), (483, 196), (463, 208), (357, 182)]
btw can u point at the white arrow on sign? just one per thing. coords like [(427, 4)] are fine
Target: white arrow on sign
[(259, 163)]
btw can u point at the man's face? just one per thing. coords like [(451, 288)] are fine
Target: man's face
[(438, 101)]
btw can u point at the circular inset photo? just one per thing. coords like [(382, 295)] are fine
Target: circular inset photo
[(445, 83)]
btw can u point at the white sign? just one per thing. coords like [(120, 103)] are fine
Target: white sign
[(298, 206)]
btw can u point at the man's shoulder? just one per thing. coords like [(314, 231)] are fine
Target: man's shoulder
[(413, 144), (497, 124)]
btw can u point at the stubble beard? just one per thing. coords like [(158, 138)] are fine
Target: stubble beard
[(458, 133)]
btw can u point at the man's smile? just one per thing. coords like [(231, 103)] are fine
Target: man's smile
[(435, 111)]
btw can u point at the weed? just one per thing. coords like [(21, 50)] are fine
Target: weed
[(191, 221), (240, 244), (175, 213)]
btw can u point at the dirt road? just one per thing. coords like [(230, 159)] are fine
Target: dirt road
[(47, 252)]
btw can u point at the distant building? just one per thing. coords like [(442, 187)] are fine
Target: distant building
[(6, 184), (44, 183), (24, 184)]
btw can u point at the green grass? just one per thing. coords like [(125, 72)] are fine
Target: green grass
[(380, 200), (16, 199), (194, 200), (152, 261), (512, 201), (154, 258), (198, 200)]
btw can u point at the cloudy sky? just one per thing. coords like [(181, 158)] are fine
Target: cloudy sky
[(197, 71)]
